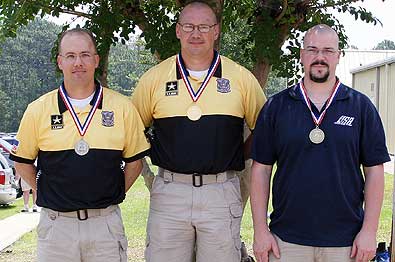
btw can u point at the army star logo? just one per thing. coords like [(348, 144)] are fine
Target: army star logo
[(56, 122), (171, 88)]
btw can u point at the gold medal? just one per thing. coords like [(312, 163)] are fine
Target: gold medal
[(194, 112), (317, 135), (81, 147)]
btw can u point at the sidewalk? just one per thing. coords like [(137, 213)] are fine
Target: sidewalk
[(14, 227)]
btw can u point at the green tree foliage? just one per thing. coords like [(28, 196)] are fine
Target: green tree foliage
[(126, 64), (385, 45), (233, 39), (270, 23), (26, 71)]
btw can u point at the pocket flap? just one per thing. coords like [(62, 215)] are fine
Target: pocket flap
[(236, 210)]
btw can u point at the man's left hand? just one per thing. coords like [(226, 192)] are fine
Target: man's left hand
[(364, 246)]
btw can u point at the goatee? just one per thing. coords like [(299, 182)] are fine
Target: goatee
[(319, 79), (323, 78)]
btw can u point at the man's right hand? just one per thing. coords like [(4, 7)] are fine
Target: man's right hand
[(264, 242)]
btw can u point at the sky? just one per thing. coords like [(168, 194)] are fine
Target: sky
[(367, 36), (360, 34)]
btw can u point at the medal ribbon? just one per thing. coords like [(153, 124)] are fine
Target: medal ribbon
[(184, 75), (81, 128), (317, 121)]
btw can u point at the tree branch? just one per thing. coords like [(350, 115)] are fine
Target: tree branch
[(73, 12), (283, 11), (55, 8)]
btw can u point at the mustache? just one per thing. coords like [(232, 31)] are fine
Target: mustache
[(319, 63)]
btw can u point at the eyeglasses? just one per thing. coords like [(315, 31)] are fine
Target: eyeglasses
[(324, 52), (190, 27), (85, 57)]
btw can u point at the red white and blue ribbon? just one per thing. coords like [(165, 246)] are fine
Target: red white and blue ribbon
[(317, 121), (81, 128), (184, 74)]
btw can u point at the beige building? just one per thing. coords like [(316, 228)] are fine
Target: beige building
[(352, 58), (377, 81)]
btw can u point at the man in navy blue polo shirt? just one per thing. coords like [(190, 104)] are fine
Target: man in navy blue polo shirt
[(318, 133)]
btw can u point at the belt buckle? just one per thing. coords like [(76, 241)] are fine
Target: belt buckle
[(200, 179), (85, 214)]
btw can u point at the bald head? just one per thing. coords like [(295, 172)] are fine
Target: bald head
[(196, 6), (77, 31), (321, 30)]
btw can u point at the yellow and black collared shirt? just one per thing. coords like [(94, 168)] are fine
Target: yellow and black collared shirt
[(212, 144), (67, 181)]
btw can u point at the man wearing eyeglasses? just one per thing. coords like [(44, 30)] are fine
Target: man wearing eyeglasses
[(80, 133), (319, 133), (195, 104)]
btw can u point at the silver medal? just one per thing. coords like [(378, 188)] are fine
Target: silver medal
[(317, 135), (81, 147)]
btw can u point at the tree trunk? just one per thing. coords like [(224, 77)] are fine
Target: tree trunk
[(261, 71), (103, 70)]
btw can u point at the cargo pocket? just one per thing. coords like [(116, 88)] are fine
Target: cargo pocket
[(236, 211), (232, 191), (123, 247), (45, 226), (115, 225)]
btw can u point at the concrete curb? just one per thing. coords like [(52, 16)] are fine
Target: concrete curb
[(14, 227)]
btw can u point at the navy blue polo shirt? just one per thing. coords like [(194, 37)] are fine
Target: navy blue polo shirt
[(318, 188)]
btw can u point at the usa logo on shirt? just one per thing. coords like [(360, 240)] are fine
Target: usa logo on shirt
[(344, 121)]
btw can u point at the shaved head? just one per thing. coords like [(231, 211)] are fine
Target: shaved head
[(320, 54), (197, 5), (320, 29)]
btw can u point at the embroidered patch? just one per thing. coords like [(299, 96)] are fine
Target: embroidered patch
[(107, 118), (171, 88), (15, 144), (344, 121), (56, 122), (223, 85)]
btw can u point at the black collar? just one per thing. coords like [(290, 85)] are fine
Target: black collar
[(62, 107), (217, 73)]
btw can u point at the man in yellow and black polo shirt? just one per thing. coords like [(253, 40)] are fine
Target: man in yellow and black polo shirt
[(196, 103), (80, 133)]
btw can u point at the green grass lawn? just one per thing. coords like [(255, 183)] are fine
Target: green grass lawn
[(135, 212), (12, 209)]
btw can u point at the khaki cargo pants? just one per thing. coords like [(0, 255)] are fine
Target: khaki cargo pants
[(182, 215), (64, 238)]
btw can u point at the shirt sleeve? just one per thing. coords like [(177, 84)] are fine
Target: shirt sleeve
[(263, 144), (253, 100), (27, 136), (136, 144), (373, 146), (142, 100)]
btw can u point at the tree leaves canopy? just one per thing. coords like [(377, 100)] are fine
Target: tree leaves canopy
[(385, 45), (269, 24)]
